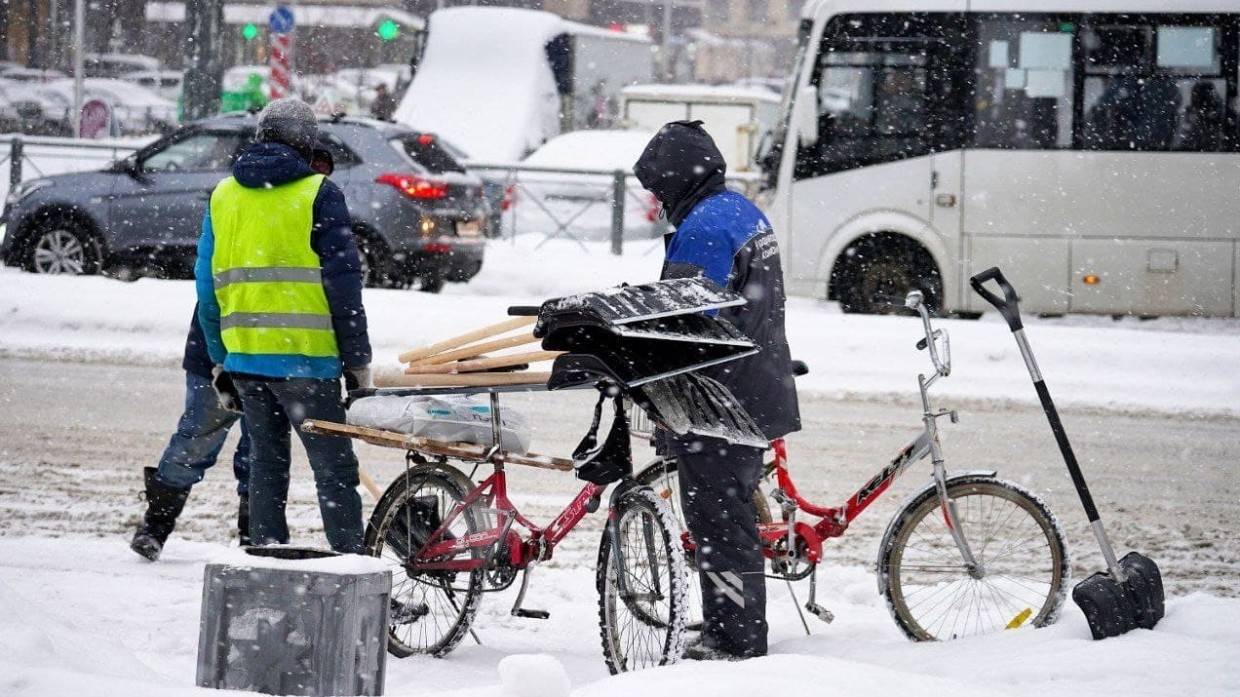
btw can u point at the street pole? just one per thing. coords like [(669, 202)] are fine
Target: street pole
[(204, 69), (667, 41), (79, 63)]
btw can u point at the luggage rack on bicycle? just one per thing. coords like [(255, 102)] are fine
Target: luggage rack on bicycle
[(638, 343)]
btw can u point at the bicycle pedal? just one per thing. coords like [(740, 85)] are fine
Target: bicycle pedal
[(531, 614), (820, 612)]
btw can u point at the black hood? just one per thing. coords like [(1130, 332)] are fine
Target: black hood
[(269, 164), (681, 166)]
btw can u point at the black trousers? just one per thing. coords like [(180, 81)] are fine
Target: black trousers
[(717, 483)]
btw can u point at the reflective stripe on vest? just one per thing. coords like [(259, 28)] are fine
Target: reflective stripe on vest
[(268, 279)]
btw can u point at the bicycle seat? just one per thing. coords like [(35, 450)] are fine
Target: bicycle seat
[(799, 368)]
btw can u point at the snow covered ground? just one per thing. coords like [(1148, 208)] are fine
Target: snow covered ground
[(1179, 365), (85, 617), (81, 615)]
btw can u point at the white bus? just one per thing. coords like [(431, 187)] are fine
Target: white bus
[(1090, 149)]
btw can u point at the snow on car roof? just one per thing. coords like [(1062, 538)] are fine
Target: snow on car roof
[(122, 90), (592, 150)]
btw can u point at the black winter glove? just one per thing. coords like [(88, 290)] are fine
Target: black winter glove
[(225, 390), (357, 378)]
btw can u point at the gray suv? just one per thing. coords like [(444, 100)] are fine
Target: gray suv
[(419, 217)]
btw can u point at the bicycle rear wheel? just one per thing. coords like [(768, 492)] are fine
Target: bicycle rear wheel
[(930, 593), (664, 478), (431, 611), (642, 619)]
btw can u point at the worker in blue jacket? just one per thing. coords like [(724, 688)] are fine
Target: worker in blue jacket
[(279, 285), (721, 235), (193, 449)]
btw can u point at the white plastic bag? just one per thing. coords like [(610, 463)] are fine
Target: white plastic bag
[(448, 418)]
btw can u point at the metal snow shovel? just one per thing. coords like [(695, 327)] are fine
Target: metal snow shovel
[(1130, 593)]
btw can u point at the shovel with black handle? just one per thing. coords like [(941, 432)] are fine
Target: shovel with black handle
[(1130, 593)]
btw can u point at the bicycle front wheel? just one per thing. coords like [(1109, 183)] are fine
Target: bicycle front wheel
[(431, 611), (642, 583), (1014, 537)]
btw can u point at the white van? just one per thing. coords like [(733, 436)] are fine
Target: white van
[(736, 117), (1090, 149)]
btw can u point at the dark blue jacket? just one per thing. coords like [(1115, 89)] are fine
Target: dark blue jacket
[(721, 235), (331, 237), (196, 359)]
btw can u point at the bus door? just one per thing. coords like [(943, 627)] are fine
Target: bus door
[(1018, 214)]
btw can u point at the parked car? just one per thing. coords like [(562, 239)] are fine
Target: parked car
[(117, 64), (165, 83), (32, 74), (24, 109), (580, 205), (135, 110), (142, 215)]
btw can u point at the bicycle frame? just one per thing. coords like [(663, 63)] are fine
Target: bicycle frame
[(493, 491), (804, 538)]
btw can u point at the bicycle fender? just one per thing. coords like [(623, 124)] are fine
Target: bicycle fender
[(970, 474)]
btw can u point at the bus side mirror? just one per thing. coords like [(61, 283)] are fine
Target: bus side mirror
[(805, 115)]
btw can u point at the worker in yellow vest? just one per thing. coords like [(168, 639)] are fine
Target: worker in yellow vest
[(280, 302)]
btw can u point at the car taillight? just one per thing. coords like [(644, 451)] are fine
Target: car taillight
[(415, 187), (510, 197)]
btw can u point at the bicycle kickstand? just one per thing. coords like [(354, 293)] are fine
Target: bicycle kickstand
[(517, 610), (812, 605)]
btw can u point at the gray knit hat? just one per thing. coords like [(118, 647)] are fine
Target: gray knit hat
[(289, 121)]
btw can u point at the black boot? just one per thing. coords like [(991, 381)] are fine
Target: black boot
[(243, 520), (163, 505)]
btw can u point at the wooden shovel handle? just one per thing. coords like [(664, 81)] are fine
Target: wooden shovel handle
[(487, 363), (467, 338), (463, 380), (473, 351)]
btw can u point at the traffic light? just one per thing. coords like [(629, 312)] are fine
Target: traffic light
[(388, 30), (249, 32)]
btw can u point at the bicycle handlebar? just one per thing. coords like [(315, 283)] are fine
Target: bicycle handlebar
[(1009, 306), (916, 301)]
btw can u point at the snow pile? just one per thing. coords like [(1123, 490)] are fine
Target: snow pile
[(536, 675), (481, 64), (1169, 365), (135, 633)]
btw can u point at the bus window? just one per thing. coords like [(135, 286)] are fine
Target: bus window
[(872, 107), (1025, 84), (1154, 86)]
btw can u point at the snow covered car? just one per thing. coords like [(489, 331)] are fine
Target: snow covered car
[(579, 205), (142, 215), (23, 109), (135, 109)]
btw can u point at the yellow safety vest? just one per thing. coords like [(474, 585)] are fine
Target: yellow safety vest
[(268, 279)]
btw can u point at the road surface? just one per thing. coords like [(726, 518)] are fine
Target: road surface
[(75, 436)]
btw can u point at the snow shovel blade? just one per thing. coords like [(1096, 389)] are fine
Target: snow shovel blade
[(1107, 606), (1144, 584)]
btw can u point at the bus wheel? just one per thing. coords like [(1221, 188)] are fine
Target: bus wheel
[(874, 275)]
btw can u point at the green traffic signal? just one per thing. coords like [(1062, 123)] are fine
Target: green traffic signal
[(249, 32), (388, 30)]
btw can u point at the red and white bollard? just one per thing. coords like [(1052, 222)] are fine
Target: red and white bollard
[(281, 63)]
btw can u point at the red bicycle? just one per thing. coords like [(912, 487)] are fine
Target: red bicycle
[(967, 554), (449, 541)]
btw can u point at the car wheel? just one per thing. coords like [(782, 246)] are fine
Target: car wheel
[(376, 267), (431, 283), (59, 246)]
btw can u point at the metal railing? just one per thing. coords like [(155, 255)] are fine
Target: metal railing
[(25, 151), (618, 194)]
